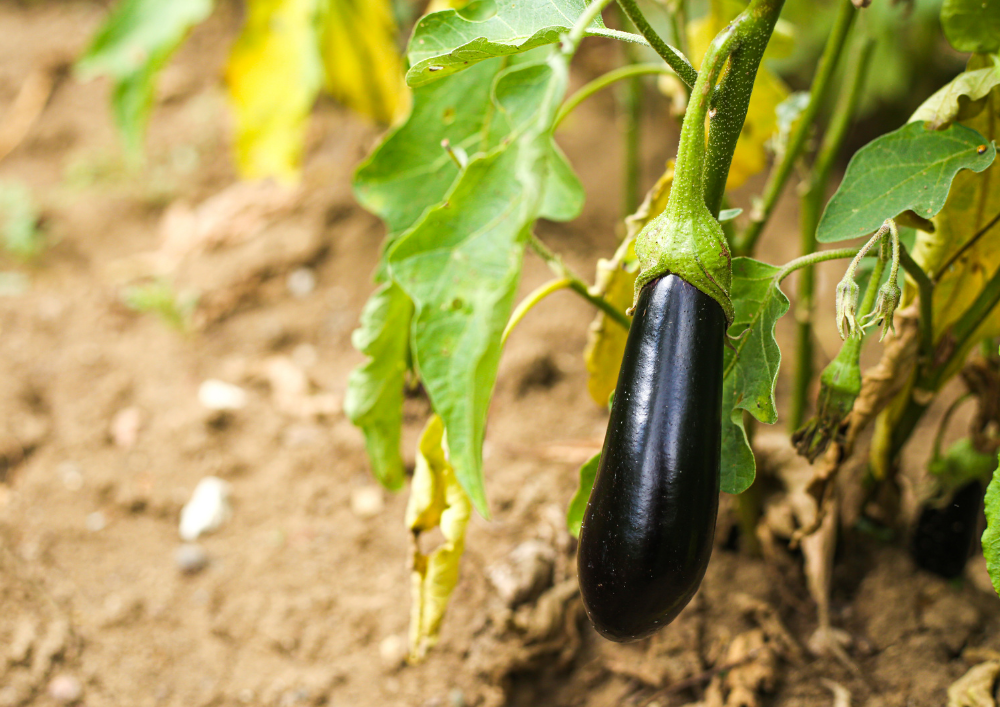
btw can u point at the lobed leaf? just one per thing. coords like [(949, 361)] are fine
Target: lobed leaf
[(750, 368), (991, 536), (578, 504), (374, 397), (274, 74), (972, 204), (449, 41), (436, 501), (460, 265), (131, 48), (972, 25), (908, 169)]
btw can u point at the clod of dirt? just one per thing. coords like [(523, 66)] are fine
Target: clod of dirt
[(207, 510), (541, 373), (525, 573)]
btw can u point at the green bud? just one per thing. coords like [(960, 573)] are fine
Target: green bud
[(847, 307), (840, 385), (885, 305)]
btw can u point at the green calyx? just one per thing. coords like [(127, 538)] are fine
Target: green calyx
[(686, 239), (840, 385)]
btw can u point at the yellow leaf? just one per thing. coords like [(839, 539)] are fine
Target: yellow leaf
[(436, 500), (437, 5), (364, 70), (974, 200), (274, 74), (615, 281), (769, 91)]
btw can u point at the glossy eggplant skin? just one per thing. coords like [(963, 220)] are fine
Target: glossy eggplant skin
[(944, 536), (647, 532)]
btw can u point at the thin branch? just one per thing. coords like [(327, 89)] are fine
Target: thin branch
[(926, 293), (560, 268), (604, 80), (817, 93), (533, 298), (753, 28), (674, 59)]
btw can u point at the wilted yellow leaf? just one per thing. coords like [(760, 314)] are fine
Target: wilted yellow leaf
[(274, 74), (436, 500), (615, 281), (769, 91), (364, 70), (974, 201)]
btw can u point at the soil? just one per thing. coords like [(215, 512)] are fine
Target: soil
[(305, 595)]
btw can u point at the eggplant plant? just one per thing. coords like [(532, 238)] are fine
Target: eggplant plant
[(685, 330)]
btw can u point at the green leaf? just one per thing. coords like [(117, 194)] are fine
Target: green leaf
[(451, 40), (972, 25), (908, 169), (410, 171), (963, 97), (461, 261), (750, 369), (374, 398), (578, 505), (131, 47), (961, 464), (991, 536), (274, 75)]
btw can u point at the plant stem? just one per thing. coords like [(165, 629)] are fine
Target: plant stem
[(560, 268), (533, 298), (925, 289), (677, 62), (779, 174), (753, 28), (811, 209), (630, 104), (579, 29), (822, 256), (631, 71)]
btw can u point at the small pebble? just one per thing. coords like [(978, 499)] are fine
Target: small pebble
[(96, 522), (367, 501), (207, 510), (457, 698), (191, 558), (305, 355), (65, 689), (214, 394), (301, 282), (71, 477), (125, 427), (392, 650)]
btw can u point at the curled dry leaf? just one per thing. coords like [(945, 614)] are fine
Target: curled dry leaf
[(436, 500), (975, 688)]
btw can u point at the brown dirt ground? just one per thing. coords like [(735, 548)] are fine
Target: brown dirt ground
[(304, 600)]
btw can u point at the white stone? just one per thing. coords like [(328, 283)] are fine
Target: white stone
[(367, 501), (219, 395), (301, 282), (208, 508)]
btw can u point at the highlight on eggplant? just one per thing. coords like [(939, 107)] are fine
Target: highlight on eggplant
[(647, 533)]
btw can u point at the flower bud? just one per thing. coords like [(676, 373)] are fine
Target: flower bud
[(847, 306), (885, 305)]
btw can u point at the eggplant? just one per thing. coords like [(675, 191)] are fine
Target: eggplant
[(647, 533), (943, 537)]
